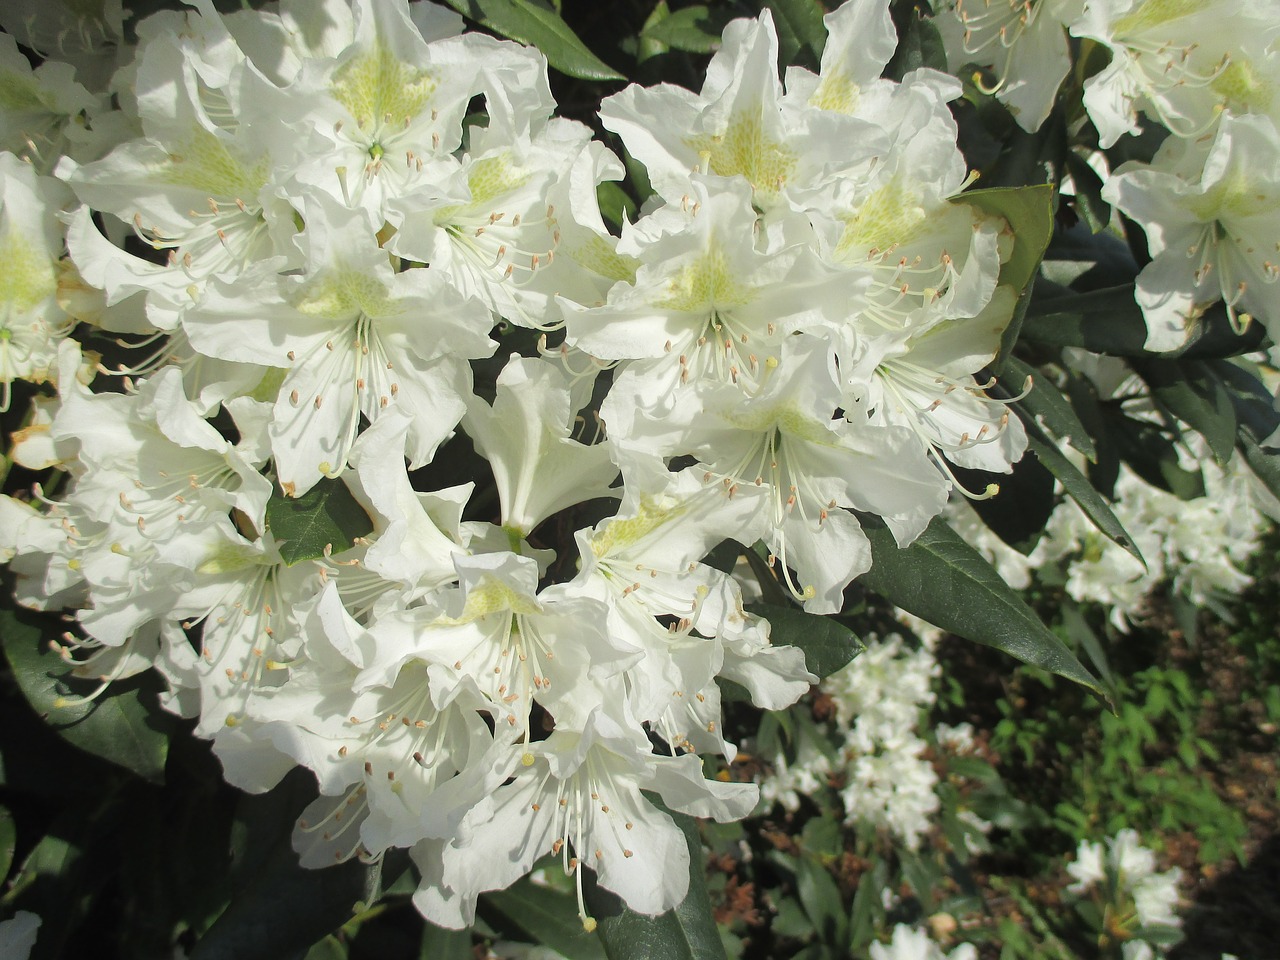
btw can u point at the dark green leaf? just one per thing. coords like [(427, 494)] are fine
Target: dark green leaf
[(1025, 503), (943, 580), (326, 516), (820, 898), (1046, 404), (923, 876), (1029, 213), (827, 644), (1095, 211), (801, 32), (686, 933), (1080, 490), (123, 725), (1110, 321), (615, 205), (1194, 394), (694, 29), (536, 24), (547, 917), (1080, 633), (867, 905), (1152, 455), (8, 842), (1103, 321), (279, 908), (441, 944), (919, 43)]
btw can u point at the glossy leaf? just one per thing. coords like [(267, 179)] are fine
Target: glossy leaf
[(1019, 513), (1079, 489), (1110, 321), (547, 917), (534, 23), (1046, 404), (943, 580), (123, 725), (1194, 394), (827, 644), (801, 32), (694, 29), (687, 932), (326, 516), (279, 908)]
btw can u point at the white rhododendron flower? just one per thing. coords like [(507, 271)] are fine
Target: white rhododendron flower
[(1209, 210), (1023, 43)]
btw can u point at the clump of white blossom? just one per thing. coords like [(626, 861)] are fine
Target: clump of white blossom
[(1121, 877), (304, 242), (876, 749)]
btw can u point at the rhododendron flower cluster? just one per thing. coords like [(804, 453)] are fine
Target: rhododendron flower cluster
[(398, 461), (306, 245)]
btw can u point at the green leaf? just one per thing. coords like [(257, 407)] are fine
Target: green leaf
[(1194, 394), (1095, 211), (820, 898), (686, 933), (1017, 516), (801, 32), (919, 43), (441, 944), (827, 644), (1151, 453), (280, 909), (326, 516), (694, 29), (943, 580), (538, 25), (1080, 490), (616, 206), (1029, 213), (548, 917), (8, 842), (1046, 404), (1110, 321), (123, 724)]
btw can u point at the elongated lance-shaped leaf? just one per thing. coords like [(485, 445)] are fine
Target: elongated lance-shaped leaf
[(538, 25), (943, 580), (1079, 489), (1110, 321), (124, 724), (1195, 394), (547, 917), (688, 932), (1046, 403)]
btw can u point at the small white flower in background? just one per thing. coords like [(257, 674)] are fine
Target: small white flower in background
[(1124, 874), (908, 943), (18, 935)]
